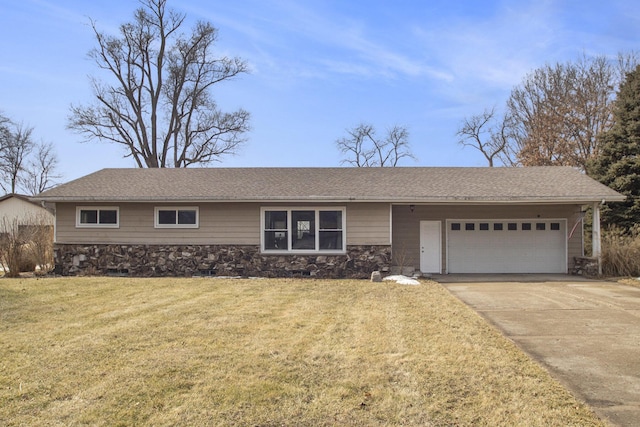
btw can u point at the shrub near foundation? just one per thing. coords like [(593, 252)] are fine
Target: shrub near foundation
[(621, 252), (24, 247)]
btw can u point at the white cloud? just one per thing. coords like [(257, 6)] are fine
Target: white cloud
[(287, 35), (498, 51)]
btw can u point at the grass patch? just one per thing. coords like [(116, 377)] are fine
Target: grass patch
[(164, 352)]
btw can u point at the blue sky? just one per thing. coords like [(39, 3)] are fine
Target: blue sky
[(317, 68)]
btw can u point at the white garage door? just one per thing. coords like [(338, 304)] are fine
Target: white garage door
[(506, 246)]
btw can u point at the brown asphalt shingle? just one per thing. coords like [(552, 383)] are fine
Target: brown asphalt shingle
[(410, 184)]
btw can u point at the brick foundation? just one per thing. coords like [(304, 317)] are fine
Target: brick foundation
[(210, 260)]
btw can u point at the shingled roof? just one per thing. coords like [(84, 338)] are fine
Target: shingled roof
[(405, 184)]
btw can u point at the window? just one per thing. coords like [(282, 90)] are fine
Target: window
[(179, 217), (103, 216), (484, 226), (497, 226), (526, 226), (469, 226), (455, 226), (330, 231), (512, 226), (275, 230), (302, 230), (555, 226), (541, 226)]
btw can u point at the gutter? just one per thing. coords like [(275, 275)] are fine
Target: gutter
[(328, 199)]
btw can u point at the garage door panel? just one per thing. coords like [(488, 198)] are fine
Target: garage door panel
[(539, 249)]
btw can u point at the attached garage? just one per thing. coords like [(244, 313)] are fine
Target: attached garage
[(496, 220), (507, 246)]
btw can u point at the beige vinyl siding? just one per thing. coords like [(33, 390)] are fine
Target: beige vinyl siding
[(368, 224), (219, 224), (236, 224), (406, 225), (575, 245)]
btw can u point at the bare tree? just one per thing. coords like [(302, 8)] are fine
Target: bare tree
[(25, 165), (363, 148), (558, 110), (16, 146), (160, 108), (6, 141), (5, 124), (40, 174), (486, 133)]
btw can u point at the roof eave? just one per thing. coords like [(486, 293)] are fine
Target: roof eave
[(346, 199)]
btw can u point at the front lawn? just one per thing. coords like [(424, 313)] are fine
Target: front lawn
[(216, 352)]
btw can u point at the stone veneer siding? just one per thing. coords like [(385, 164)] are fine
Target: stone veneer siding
[(215, 260)]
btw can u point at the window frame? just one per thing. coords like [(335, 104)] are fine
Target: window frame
[(157, 209), (290, 229), (98, 224)]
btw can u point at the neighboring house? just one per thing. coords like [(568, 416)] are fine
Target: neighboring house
[(324, 222), (18, 210)]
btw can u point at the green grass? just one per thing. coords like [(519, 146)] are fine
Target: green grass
[(165, 352)]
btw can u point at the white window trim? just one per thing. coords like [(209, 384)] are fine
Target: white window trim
[(98, 209), (176, 208), (317, 210)]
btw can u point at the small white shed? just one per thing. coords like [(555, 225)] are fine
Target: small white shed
[(17, 209)]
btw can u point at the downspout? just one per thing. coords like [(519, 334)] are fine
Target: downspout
[(596, 248)]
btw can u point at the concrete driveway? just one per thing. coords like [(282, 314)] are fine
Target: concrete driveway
[(585, 332)]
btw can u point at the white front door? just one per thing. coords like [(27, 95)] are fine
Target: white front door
[(430, 247)]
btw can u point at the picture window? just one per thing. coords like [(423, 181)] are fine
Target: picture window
[(293, 230)]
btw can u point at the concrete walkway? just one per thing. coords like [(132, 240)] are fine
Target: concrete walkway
[(585, 332)]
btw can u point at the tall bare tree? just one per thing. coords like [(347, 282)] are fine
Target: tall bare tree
[(25, 166), (486, 133), (554, 116), (558, 110), (363, 148), (160, 108), (14, 154)]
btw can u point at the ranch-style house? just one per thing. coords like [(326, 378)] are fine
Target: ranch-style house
[(324, 222)]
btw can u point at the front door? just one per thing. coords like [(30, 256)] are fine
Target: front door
[(430, 247)]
